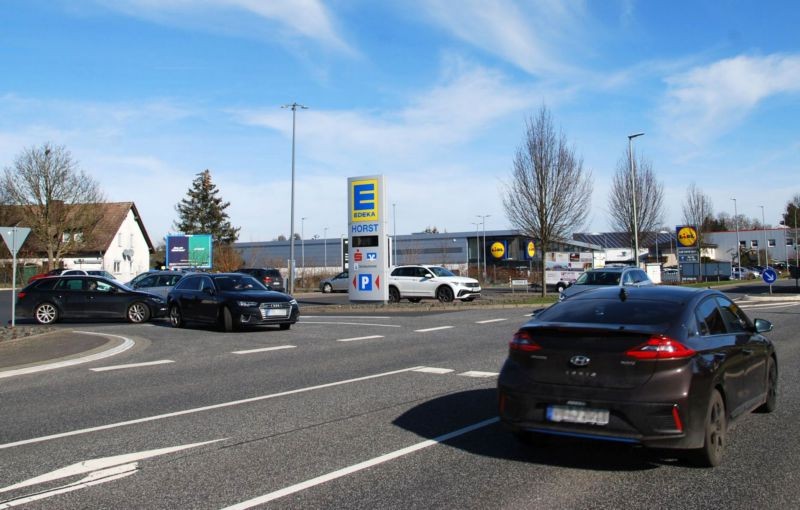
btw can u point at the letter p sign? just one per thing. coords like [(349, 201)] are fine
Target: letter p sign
[(365, 282)]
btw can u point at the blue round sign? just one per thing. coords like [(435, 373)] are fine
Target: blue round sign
[(769, 275)]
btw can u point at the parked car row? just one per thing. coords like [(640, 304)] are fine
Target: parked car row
[(231, 300)]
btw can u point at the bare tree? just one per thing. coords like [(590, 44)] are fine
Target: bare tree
[(52, 196), (550, 192), (697, 209), (649, 198)]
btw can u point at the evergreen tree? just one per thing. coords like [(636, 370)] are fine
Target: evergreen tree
[(203, 212)]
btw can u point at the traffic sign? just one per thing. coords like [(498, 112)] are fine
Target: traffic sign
[(769, 275), (14, 237)]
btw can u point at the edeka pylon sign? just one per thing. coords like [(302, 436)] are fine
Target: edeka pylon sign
[(368, 247)]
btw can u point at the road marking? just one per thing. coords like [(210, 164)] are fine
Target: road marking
[(359, 338), (343, 317), (292, 489), (200, 409), (352, 324), (434, 370), (100, 471), (265, 349), (475, 373), (749, 306), (132, 365), (126, 344), (490, 320), (431, 329)]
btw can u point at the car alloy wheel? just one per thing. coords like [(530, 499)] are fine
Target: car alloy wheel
[(327, 288), (46, 313), (716, 430), (175, 318), (394, 295), (444, 294), (138, 312)]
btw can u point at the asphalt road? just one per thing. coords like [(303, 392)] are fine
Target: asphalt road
[(352, 411)]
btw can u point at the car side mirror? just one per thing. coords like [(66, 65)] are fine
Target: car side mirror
[(762, 326)]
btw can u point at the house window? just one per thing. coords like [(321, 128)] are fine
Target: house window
[(116, 266), (119, 240), (742, 244), (65, 237), (789, 242), (754, 243), (771, 243)]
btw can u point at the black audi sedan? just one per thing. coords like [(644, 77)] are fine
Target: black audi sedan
[(53, 298), (230, 300), (663, 367)]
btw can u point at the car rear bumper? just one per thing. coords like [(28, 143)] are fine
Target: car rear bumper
[(651, 424)]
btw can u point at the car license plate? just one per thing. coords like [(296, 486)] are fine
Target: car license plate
[(277, 312), (575, 414)]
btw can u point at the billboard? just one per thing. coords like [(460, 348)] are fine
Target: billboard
[(192, 250)]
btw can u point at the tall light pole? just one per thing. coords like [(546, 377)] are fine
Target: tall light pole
[(325, 247), (303, 245), (478, 242), (294, 106), (796, 252), (394, 233), (483, 221), (766, 246), (633, 198), (738, 243)]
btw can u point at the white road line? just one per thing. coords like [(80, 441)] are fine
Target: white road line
[(359, 338), (302, 319), (200, 409), (475, 373), (434, 370), (767, 306), (432, 329), (490, 320), (127, 343), (132, 365), (292, 489), (352, 324), (265, 349)]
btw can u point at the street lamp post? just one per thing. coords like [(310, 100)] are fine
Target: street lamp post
[(325, 247), (766, 246), (294, 106), (478, 242), (303, 247), (738, 243), (394, 233), (633, 197), (483, 221)]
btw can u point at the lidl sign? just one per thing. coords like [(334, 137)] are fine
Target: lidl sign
[(687, 236), (498, 249), (364, 199)]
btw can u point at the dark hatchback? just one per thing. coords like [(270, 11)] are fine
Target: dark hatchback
[(229, 300), (67, 297), (662, 367), (270, 277)]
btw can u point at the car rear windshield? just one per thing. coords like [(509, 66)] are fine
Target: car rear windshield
[(612, 311), (599, 278), (238, 283)]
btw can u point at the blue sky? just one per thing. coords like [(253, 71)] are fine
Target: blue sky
[(431, 94)]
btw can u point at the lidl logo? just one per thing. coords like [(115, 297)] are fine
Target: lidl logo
[(364, 197), (498, 250), (687, 236), (531, 249)]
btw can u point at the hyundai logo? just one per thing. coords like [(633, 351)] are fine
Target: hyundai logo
[(579, 361)]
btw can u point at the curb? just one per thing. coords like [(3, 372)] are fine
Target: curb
[(773, 297)]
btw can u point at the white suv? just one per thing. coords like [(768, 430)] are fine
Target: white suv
[(417, 282)]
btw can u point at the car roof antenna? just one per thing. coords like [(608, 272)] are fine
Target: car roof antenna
[(622, 294)]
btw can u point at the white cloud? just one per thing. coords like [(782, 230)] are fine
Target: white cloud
[(534, 37), (308, 19), (705, 102)]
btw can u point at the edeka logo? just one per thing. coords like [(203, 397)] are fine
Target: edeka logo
[(498, 250), (365, 200), (687, 236)]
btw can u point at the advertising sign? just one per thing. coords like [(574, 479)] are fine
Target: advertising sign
[(189, 251), (688, 248), (498, 250), (367, 244)]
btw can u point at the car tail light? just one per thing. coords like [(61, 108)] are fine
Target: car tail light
[(660, 347), (267, 279), (20, 295), (677, 418), (523, 341)]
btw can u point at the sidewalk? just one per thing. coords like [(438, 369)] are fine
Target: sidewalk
[(49, 347)]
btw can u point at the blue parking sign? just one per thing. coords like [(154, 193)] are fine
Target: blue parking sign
[(365, 282)]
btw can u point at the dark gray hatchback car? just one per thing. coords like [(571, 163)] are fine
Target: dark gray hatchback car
[(662, 367)]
